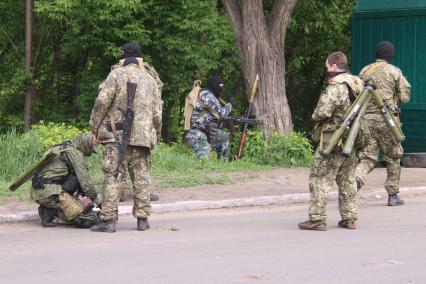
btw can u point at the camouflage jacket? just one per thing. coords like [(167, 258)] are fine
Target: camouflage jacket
[(149, 68), (335, 101), (205, 110), (58, 169), (112, 100), (389, 82)]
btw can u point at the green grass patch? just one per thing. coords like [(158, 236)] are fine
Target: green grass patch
[(171, 165)]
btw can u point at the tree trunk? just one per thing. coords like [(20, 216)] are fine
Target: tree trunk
[(260, 46), (30, 89)]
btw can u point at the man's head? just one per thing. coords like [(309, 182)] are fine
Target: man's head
[(337, 62), (385, 50), (131, 49), (215, 84), (84, 143)]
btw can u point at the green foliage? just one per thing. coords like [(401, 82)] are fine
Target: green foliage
[(17, 153), (316, 29), (293, 149), (52, 133)]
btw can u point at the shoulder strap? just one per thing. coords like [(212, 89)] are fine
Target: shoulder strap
[(370, 71), (210, 110)]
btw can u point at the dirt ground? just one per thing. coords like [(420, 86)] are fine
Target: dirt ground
[(249, 184)]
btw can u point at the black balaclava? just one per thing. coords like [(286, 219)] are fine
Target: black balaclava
[(213, 84), (131, 49), (385, 50)]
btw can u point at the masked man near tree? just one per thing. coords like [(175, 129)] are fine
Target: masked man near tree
[(394, 89), (332, 106), (56, 186), (205, 133), (128, 103)]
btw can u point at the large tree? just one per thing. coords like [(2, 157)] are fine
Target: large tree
[(260, 35)]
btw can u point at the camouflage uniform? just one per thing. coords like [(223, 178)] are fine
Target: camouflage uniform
[(146, 127), (394, 89), (48, 181), (332, 106), (204, 123)]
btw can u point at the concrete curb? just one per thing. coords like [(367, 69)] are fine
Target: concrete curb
[(228, 203)]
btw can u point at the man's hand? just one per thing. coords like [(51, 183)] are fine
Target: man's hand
[(98, 200), (94, 139)]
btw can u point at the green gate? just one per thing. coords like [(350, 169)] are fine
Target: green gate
[(403, 22)]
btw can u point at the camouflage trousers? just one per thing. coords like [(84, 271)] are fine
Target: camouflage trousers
[(324, 172), (198, 141), (137, 162), (53, 202), (380, 138)]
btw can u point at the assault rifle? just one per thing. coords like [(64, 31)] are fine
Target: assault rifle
[(129, 116), (239, 120), (244, 125)]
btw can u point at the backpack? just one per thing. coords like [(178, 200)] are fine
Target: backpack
[(190, 101)]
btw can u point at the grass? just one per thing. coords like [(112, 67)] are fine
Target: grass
[(172, 166)]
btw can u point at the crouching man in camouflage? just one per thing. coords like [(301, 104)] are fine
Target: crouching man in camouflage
[(332, 106), (394, 89), (205, 133), (126, 118), (57, 185)]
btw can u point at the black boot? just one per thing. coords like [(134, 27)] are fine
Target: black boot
[(394, 200), (46, 216), (358, 184), (104, 226), (154, 197), (143, 224)]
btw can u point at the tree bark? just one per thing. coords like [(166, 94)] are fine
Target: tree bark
[(260, 46), (30, 89)]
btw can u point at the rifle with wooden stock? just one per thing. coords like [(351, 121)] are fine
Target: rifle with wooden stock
[(245, 124)]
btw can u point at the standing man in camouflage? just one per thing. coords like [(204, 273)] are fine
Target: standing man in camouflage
[(56, 186), (129, 51), (109, 123), (205, 133), (332, 106), (394, 89)]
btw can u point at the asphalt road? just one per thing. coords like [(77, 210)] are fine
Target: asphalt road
[(252, 245)]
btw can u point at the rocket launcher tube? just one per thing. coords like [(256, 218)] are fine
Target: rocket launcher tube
[(353, 132), (347, 122), (384, 109)]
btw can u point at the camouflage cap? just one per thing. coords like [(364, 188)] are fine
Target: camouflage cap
[(84, 143)]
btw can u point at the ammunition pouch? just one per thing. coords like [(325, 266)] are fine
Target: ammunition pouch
[(316, 133), (118, 126), (326, 135), (70, 206)]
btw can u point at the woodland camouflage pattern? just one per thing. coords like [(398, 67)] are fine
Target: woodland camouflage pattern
[(332, 106), (394, 89), (146, 127), (204, 122)]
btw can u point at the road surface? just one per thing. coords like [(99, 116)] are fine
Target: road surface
[(251, 245)]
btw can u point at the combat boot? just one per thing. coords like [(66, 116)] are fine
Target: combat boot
[(142, 224), (104, 226), (46, 216), (358, 184), (319, 225), (394, 200), (153, 197), (347, 224)]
